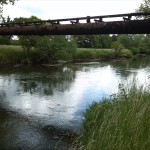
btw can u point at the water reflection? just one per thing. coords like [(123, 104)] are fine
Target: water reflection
[(58, 96)]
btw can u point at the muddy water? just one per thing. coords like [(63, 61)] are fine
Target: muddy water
[(41, 108)]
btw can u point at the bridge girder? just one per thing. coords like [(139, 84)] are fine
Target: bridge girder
[(116, 27)]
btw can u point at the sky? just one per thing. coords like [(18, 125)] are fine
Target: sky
[(57, 9)]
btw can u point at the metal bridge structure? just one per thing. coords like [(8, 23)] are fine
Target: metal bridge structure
[(121, 24)]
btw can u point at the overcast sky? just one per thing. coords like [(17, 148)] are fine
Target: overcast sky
[(55, 9)]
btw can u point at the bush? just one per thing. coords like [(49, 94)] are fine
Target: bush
[(117, 46), (126, 53), (54, 48), (135, 50), (4, 40)]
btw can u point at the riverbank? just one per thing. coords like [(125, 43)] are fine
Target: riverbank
[(16, 55), (119, 122)]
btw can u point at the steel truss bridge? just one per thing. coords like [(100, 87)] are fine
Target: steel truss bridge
[(127, 24)]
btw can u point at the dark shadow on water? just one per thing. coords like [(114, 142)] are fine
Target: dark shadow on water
[(18, 132)]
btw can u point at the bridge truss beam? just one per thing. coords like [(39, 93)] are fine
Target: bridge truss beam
[(75, 27)]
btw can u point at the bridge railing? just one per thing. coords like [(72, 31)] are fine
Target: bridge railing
[(88, 19)]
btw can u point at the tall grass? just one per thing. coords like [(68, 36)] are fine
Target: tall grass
[(11, 53), (83, 53), (16, 54), (121, 122), (89, 53)]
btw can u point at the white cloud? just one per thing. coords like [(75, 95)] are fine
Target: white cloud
[(54, 9)]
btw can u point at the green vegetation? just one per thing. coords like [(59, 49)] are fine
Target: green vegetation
[(83, 53), (121, 122), (90, 53), (11, 53), (144, 7), (53, 48)]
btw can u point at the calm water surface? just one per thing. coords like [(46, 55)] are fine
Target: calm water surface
[(38, 104)]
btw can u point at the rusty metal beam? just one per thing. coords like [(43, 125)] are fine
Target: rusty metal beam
[(116, 27)]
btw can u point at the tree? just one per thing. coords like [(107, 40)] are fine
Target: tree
[(2, 2), (144, 7), (145, 46), (94, 41), (52, 48), (125, 40), (5, 2), (27, 42)]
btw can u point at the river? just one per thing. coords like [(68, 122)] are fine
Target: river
[(40, 104)]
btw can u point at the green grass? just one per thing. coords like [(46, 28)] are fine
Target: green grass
[(90, 53), (119, 123), (11, 53), (84, 53), (16, 54)]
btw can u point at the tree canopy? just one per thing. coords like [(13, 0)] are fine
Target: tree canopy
[(3, 2), (144, 7)]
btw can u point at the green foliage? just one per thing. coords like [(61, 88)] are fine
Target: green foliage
[(135, 50), (117, 46), (137, 41), (47, 48), (144, 7), (83, 53), (4, 40), (94, 41), (14, 42), (126, 53), (27, 42), (119, 123), (102, 41), (43, 49), (11, 53), (145, 46), (125, 40), (51, 48)]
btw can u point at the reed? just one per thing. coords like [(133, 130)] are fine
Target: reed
[(121, 122)]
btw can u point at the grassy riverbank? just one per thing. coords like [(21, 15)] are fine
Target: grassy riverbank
[(16, 54), (11, 53), (90, 53), (119, 123)]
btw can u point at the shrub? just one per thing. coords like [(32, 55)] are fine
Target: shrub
[(126, 53), (135, 50)]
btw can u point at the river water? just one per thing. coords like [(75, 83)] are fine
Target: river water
[(40, 104)]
